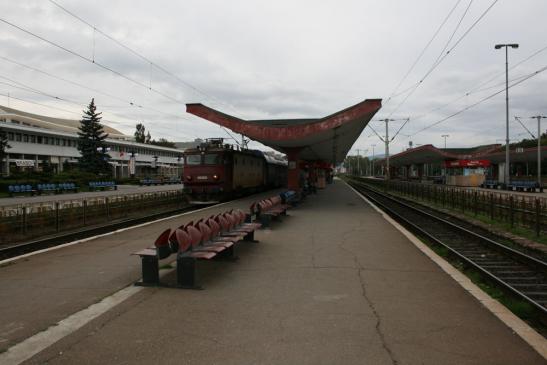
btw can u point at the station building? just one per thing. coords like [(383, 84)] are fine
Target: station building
[(37, 141), (463, 166)]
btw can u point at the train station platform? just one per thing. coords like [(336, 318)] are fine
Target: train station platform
[(332, 283)]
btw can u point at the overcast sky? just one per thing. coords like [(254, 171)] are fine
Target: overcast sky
[(279, 59)]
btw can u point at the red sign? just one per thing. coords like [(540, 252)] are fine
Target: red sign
[(467, 163)]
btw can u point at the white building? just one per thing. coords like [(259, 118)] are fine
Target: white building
[(36, 140)]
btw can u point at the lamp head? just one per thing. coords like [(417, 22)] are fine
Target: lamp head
[(498, 46)]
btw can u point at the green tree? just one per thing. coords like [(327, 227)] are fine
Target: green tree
[(148, 138), (91, 143), (163, 142), (4, 145), (140, 133)]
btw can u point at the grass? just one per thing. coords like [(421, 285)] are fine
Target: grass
[(520, 308), (166, 267), (520, 231)]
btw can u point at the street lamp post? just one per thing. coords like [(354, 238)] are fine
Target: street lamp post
[(506, 46), (445, 136)]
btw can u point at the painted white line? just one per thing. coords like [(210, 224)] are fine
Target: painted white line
[(521, 328), (40, 341), (6, 261)]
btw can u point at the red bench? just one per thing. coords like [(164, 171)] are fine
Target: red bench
[(206, 239), (265, 210)]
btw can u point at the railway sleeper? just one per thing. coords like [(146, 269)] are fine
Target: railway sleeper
[(501, 267), (531, 287), (515, 280), (526, 273), (536, 294)]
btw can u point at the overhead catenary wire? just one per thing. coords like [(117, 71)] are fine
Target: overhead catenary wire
[(27, 88), (523, 126), (393, 93), (141, 56), (522, 79), (478, 88), (129, 102), (440, 60), (441, 57), (78, 55)]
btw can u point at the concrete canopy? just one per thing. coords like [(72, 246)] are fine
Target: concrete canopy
[(325, 139)]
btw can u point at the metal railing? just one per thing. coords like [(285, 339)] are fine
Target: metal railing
[(515, 210), (31, 221)]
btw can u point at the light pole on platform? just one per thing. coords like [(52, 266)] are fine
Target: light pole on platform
[(506, 46)]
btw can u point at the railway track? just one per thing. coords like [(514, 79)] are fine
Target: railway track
[(7, 252), (517, 273)]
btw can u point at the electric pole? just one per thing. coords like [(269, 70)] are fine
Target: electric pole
[(539, 118), (386, 142), (358, 163), (372, 162), (444, 136)]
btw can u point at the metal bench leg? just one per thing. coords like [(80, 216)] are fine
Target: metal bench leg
[(228, 254), (186, 273), (265, 220), (250, 237), (150, 271)]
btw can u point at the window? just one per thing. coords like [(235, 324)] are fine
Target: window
[(193, 159), (211, 159), (46, 140), (64, 142), (25, 138), (18, 137), (57, 141), (10, 136), (39, 139), (32, 139)]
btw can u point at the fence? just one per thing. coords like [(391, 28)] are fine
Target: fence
[(37, 220), (512, 209)]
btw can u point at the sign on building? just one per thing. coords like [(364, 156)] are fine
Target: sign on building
[(24, 163)]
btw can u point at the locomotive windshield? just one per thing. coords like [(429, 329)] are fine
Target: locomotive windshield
[(193, 159), (211, 159)]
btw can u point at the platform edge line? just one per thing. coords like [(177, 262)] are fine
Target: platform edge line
[(521, 328)]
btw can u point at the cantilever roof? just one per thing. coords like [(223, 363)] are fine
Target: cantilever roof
[(325, 139)]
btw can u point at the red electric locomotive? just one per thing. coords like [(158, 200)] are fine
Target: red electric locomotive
[(215, 171)]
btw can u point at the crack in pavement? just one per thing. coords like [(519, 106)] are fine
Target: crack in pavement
[(360, 268)]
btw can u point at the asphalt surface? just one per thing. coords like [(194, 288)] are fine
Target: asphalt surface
[(333, 283), (50, 198), (40, 290)]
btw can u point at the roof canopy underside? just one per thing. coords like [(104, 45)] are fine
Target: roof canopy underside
[(327, 139)]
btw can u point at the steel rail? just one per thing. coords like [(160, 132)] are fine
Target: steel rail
[(535, 265)]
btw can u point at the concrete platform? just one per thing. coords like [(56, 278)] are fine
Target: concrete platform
[(122, 190), (334, 283)]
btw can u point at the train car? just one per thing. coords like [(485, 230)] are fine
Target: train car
[(215, 171)]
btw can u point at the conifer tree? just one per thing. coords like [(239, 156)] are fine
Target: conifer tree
[(91, 143), (139, 133), (4, 145)]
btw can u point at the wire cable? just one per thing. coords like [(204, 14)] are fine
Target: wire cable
[(422, 53), (522, 79)]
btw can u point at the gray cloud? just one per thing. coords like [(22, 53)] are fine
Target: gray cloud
[(280, 59)]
